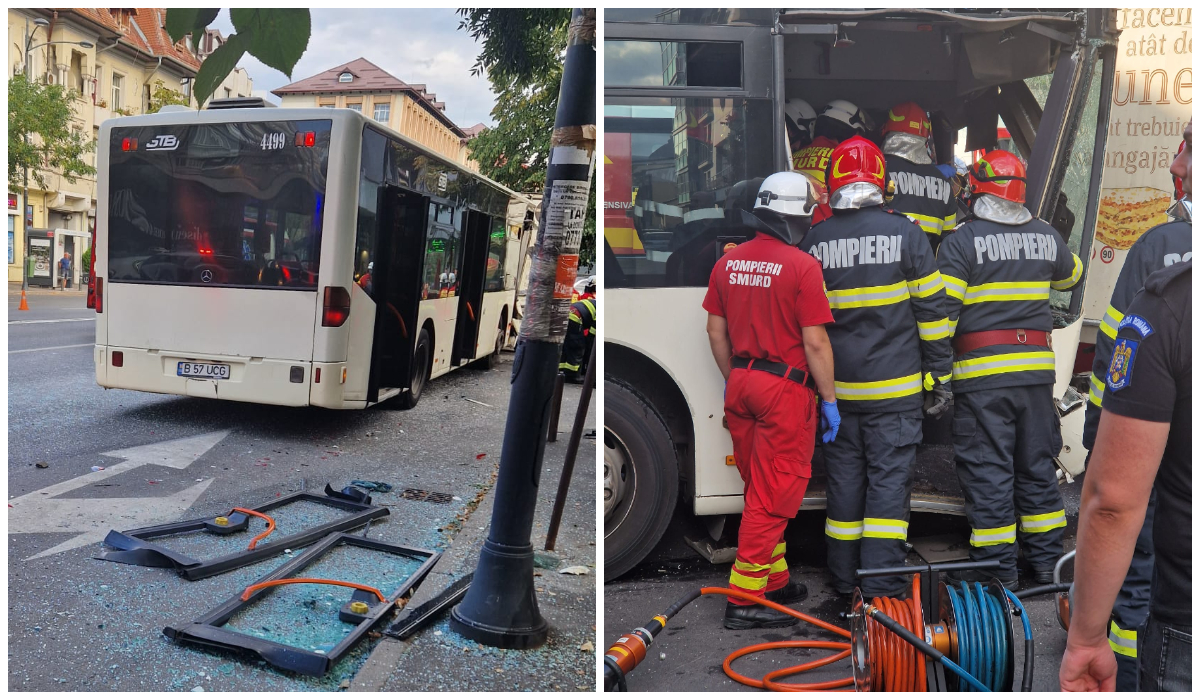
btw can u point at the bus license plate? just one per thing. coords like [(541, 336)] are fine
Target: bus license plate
[(203, 370)]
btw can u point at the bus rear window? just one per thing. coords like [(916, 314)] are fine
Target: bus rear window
[(227, 205)]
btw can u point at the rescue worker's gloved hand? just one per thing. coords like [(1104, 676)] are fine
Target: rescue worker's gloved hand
[(937, 399), (831, 420)]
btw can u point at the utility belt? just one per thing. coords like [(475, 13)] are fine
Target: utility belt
[(778, 369), (969, 342)]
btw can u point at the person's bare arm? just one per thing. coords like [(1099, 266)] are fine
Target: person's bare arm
[(819, 354), (1115, 493), (718, 339)]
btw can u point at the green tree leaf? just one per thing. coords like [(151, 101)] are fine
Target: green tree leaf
[(183, 21), (42, 135), (278, 36), (218, 65)]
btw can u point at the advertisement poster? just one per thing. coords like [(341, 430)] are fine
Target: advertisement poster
[(619, 229), (39, 250), (1152, 102)]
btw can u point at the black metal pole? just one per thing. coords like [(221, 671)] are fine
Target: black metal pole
[(556, 407), (500, 608), (564, 480)]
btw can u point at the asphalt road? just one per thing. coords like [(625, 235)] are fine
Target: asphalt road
[(78, 623), (688, 655)]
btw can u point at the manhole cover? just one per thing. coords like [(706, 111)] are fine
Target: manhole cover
[(427, 496)]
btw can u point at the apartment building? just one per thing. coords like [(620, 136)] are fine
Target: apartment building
[(407, 108), (129, 55)]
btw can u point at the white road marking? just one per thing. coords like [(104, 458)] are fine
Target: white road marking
[(51, 320), (40, 511), (54, 347)]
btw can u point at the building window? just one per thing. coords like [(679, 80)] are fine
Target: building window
[(12, 238), (118, 83), (345, 77), (327, 105), (383, 112), (357, 107), (228, 93)]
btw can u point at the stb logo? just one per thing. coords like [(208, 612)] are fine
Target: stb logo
[(166, 142)]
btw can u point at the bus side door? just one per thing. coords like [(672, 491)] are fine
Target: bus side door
[(396, 282), (470, 286)]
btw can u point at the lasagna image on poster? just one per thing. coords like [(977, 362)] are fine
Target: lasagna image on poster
[(1128, 212)]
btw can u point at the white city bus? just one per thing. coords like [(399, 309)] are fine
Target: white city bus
[(692, 108), (298, 257)]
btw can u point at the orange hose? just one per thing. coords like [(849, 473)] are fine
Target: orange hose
[(768, 681), (324, 581), (897, 666), (269, 519)]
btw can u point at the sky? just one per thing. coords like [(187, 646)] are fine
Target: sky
[(416, 46)]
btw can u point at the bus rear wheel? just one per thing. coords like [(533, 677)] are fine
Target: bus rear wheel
[(422, 358), (641, 478)]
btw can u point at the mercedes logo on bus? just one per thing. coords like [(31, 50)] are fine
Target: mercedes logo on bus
[(206, 276)]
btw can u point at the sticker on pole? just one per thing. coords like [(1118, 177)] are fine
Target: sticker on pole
[(565, 215)]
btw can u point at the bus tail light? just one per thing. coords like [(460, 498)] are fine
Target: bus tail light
[(337, 307), (306, 139), (118, 358), (317, 376), (98, 296)]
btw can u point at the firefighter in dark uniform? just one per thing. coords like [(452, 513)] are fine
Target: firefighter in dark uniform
[(1144, 440), (1161, 246), (581, 336), (923, 192), (891, 343), (766, 325), (999, 268)]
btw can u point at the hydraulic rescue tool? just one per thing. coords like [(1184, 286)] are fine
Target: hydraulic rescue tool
[(893, 644)]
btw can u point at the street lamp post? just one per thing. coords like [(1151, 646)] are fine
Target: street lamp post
[(25, 215)]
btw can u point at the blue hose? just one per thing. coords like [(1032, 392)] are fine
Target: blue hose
[(983, 651)]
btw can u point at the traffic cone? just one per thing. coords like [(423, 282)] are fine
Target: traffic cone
[(24, 304)]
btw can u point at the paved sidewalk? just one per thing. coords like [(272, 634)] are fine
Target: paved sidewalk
[(437, 658)]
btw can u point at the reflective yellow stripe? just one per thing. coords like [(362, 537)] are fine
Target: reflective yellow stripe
[(780, 548), (839, 530), (778, 566), (928, 224), (859, 297), (1123, 642), (566, 365), (873, 391), (1006, 291), (955, 287), (748, 567), (926, 286), (1095, 390), (881, 528), (953, 323), (934, 330), (590, 307), (950, 222), (1112, 319), (1002, 364), (1044, 522), (747, 582), (996, 535), (1076, 273)]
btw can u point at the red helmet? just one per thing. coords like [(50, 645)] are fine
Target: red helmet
[(1179, 181), (1000, 173), (855, 160), (907, 118)]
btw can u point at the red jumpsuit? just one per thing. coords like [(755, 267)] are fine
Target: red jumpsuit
[(767, 291)]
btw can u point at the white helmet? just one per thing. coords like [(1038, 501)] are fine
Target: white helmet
[(847, 113), (800, 111), (789, 194)]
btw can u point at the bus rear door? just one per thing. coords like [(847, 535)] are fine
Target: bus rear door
[(470, 286), (396, 287)]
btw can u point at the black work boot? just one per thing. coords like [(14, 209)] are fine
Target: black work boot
[(747, 617), (791, 593), (1043, 575)]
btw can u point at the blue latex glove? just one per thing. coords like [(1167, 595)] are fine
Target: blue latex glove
[(831, 420)]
